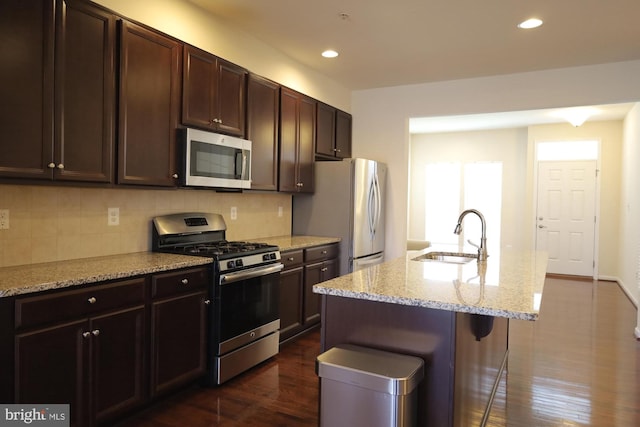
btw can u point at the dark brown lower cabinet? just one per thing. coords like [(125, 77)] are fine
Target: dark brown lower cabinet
[(95, 365), (179, 324), (313, 274), (291, 301), (51, 367), (299, 306), (109, 348)]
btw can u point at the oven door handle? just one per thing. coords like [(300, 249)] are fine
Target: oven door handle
[(250, 273)]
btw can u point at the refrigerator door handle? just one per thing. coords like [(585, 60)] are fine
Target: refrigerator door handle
[(375, 205), (371, 208)]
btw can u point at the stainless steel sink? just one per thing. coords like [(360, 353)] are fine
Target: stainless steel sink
[(448, 257)]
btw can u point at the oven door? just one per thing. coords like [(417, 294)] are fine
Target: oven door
[(247, 303)]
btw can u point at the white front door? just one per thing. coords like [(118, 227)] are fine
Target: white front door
[(565, 218)]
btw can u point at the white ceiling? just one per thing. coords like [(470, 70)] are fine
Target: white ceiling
[(513, 119), (388, 43)]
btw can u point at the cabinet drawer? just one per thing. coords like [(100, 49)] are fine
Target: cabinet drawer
[(321, 253), (63, 305), (292, 258), (176, 282)]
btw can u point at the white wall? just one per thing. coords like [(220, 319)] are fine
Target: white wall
[(187, 22), (380, 124), (629, 259)]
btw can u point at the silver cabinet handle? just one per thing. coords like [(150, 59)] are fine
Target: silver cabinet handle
[(324, 252), (290, 258), (95, 332), (175, 176), (51, 165), (185, 281), (86, 334), (60, 166), (207, 301), (92, 300), (324, 269)]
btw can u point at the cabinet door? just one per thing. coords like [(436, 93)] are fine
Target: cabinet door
[(52, 367), (230, 98), (178, 333), (85, 93), (118, 343), (325, 130), (330, 269), (306, 150), (149, 107), (312, 275), (343, 135), (291, 285), (199, 68), (26, 88), (288, 140), (263, 117)]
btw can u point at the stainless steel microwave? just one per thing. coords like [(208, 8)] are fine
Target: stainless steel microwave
[(215, 160)]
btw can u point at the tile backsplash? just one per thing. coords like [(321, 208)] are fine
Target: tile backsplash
[(48, 223)]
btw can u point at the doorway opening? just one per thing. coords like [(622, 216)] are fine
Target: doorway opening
[(566, 200)]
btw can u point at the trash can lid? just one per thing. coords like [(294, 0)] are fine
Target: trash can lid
[(378, 370)]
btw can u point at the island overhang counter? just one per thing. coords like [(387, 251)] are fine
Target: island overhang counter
[(454, 315)]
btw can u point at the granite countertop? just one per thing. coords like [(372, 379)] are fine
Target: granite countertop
[(287, 243), (509, 284), (24, 279)]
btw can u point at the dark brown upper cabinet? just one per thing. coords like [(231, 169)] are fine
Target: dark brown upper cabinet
[(297, 142), (263, 119), (149, 107), (343, 134), (58, 110), (26, 88), (213, 93), (85, 89), (333, 133)]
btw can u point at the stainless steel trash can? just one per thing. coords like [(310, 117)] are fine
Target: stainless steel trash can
[(360, 386)]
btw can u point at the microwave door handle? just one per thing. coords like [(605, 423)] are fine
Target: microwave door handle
[(244, 165), (239, 165)]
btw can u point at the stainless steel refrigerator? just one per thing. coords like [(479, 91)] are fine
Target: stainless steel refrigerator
[(348, 202)]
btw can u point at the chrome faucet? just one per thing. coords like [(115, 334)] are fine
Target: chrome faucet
[(482, 249)]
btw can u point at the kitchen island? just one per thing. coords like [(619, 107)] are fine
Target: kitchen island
[(454, 315)]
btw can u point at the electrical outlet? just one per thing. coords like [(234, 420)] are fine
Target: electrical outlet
[(113, 216), (279, 211), (4, 219), (234, 213)]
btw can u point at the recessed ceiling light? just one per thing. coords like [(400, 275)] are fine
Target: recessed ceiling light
[(329, 53), (530, 23)]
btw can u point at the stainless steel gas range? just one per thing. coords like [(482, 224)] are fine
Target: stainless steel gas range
[(244, 322)]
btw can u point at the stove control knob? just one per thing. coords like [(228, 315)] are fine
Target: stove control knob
[(238, 263), (272, 255), (265, 257), (231, 264)]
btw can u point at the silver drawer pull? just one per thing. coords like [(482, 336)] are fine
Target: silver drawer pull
[(324, 269), (290, 258), (95, 332), (207, 301), (92, 300), (184, 281), (324, 252), (86, 334)]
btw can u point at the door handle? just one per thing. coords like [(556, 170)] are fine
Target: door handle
[(542, 226)]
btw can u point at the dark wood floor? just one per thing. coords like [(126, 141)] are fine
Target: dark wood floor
[(578, 365)]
